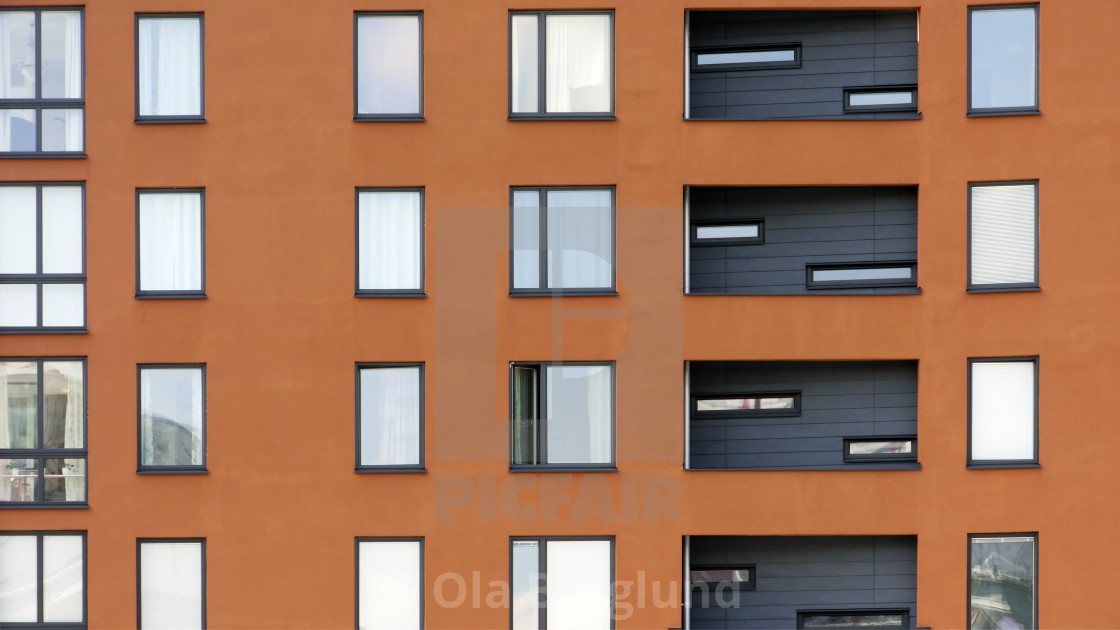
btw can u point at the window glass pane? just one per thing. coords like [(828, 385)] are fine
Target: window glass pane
[(1003, 410), (62, 54), (1003, 583), (390, 408), (579, 585), (524, 61), (19, 579), (752, 56), (526, 585), (18, 234), (19, 479), (389, 64), (170, 66), (171, 585), (733, 576), (17, 305), (64, 479), (580, 239), (171, 416), (578, 63), (389, 588), (870, 99), (860, 620), (1003, 58), (62, 229), (19, 400), (526, 418), (63, 404), (864, 273), (62, 579), (726, 231), (389, 247), (170, 241), (18, 130), (579, 414), (750, 402), (887, 447), (1003, 234), (64, 304), (17, 49), (526, 240), (62, 129)]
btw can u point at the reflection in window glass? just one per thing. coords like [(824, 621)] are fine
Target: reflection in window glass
[(1004, 57), (775, 403), (578, 407), (1002, 582), (577, 63), (172, 412), (752, 56), (579, 239), (390, 409)]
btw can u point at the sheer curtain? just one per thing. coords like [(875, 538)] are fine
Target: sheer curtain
[(72, 79), (580, 239), (389, 64), (170, 241), (171, 585), (68, 383), (170, 67), (390, 415), (578, 63), (389, 247), (579, 414)]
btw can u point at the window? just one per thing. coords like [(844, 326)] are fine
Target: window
[(727, 232), (42, 258), (388, 66), (748, 405), (1003, 412), (172, 416), (574, 575), (390, 416), (715, 577), (862, 275), (852, 619), (890, 98), (169, 68), (390, 583), (881, 448), (41, 88), (170, 243), (1003, 59), (562, 415), (171, 583), (43, 425), (561, 64), (769, 57), (390, 242), (1003, 581), (43, 579), (562, 240), (1003, 236)]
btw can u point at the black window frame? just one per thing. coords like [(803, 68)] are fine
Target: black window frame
[(912, 456), (388, 293), (417, 117), (542, 570), (968, 570), (802, 615), (1034, 110), (39, 104), (139, 582), (1011, 286), (39, 534), (40, 278), (542, 422), (542, 63), (876, 89), (695, 412), (542, 245), (359, 467), (1002, 463), (175, 118), (151, 469), (696, 241), (42, 454), (749, 585), (861, 284), (161, 294), (695, 52), (358, 540)]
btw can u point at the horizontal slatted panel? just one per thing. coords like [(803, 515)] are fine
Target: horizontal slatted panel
[(1003, 234)]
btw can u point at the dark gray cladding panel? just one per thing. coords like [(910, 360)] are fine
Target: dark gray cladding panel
[(838, 399), (805, 572), (838, 49), (803, 225)]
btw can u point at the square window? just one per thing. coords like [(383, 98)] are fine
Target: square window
[(1003, 581), (390, 242), (390, 416), (574, 575), (1003, 236), (562, 240), (172, 417), (562, 415), (169, 67), (561, 64), (171, 583), (390, 583), (388, 66), (43, 576), (1003, 59), (1003, 412), (170, 243)]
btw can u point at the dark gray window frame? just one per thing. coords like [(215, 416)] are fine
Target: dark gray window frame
[(906, 622), (1010, 287), (542, 441), (167, 470), (747, 413), (42, 454), (173, 295), (885, 457), (178, 118), (39, 534), (968, 570), (1005, 111), (40, 104), (139, 599), (694, 57), (417, 117), (358, 540), (874, 89), (542, 62), (1010, 463), (386, 468), (750, 585), (389, 293), (542, 569), (695, 241), (542, 246), (861, 284), (39, 278)]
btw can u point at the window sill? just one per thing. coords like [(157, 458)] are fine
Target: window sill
[(390, 469), (170, 296), (387, 118), (1004, 289), (861, 467), (857, 116), (44, 155), (568, 117), (514, 468), (980, 113), (561, 293), (169, 120), (830, 291), (390, 294), (44, 506), (172, 471), (44, 331), (998, 465)]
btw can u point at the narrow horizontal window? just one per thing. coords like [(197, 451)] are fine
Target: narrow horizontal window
[(389, 68), (762, 404), (1003, 581), (172, 417), (169, 67), (42, 579), (881, 98), (747, 58), (840, 620), (390, 415), (1003, 235), (390, 241), (577, 50), (1003, 58), (727, 233), (741, 578), (880, 449), (390, 583), (562, 414), (865, 276), (1003, 411), (172, 583), (169, 240)]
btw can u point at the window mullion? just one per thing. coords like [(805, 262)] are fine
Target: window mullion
[(542, 236), (542, 583), (542, 64), (39, 577)]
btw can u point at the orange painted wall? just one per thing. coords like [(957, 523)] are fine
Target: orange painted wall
[(280, 332)]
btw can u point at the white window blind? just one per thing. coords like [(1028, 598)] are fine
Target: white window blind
[(1003, 410), (579, 584), (171, 593), (389, 589), (1003, 225)]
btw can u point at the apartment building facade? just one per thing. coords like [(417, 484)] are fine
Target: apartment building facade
[(640, 314)]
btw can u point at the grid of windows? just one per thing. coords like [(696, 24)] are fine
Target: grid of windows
[(43, 579)]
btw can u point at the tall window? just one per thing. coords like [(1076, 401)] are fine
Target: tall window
[(169, 68), (562, 415), (170, 238), (43, 579), (1003, 412), (390, 583), (1003, 236), (390, 416), (171, 583), (172, 418), (42, 258), (1003, 59), (41, 82), (562, 239), (574, 576), (42, 431), (561, 64), (388, 66), (1003, 581), (390, 241)]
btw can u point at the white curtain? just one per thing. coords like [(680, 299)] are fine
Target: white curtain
[(171, 585), (578, 585), (390, 416), (170, 241), (579, 414), (580, 239), (75, 118), (389, 588), (1003, 410), (389, 64), (170, 66), (523, 57), (62, 579), (578, 63), (74, 423), (389, 247)]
